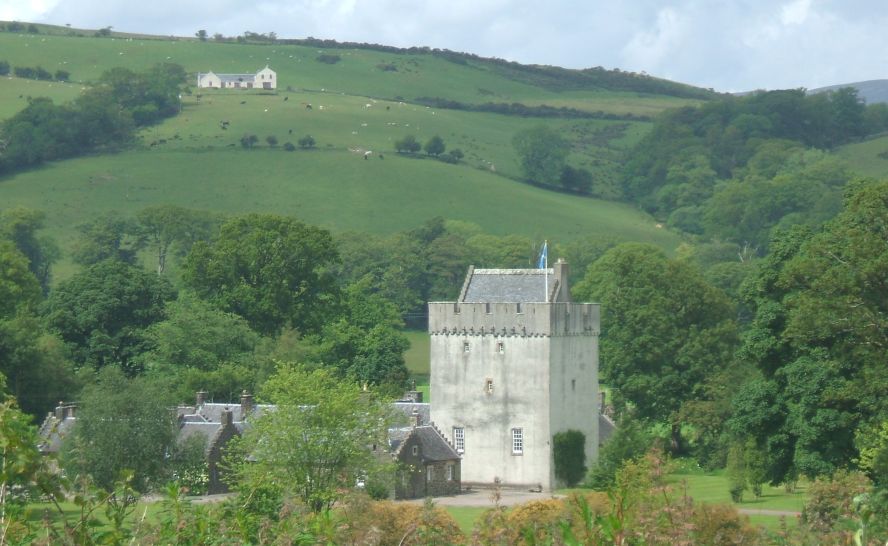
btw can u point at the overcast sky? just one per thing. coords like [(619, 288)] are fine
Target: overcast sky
[(730, 45)]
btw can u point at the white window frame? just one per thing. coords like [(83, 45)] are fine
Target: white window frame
[(501, 347), (466, 346), (450, 472), (429, 475), (459, 439), (517, 441), (488, 386)]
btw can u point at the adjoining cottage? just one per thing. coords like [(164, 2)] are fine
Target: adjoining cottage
[(263, 79), (513, 362), (427, 462)]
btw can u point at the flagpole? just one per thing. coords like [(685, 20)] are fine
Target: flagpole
[(546, 270)]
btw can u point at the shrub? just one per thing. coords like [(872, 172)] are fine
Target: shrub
[(25, 72), (4, 68), (289, 146), (271, 140), (32, 29), (42, 73), (62, 75), (629, 441), (387, 67), (307, 141), (831, 499), (569, 449), (736, 471), (328, 58), (248, 141), (408, 144)]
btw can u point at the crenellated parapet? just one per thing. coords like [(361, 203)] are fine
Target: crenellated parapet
[(514, 319)]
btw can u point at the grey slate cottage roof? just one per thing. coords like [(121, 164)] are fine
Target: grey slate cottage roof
[(433, 446)]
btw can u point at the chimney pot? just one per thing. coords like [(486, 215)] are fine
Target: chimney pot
[(246, 404), (200, 398), (227, 417), (417, 418)]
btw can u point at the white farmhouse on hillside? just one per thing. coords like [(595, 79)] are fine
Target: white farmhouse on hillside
[(263, 79)]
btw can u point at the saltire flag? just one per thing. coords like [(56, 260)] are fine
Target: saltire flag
[(544, 256)]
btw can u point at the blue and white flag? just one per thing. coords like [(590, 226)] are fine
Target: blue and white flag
[(544, 256)]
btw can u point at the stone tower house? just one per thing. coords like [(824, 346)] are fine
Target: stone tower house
[(514, 362)]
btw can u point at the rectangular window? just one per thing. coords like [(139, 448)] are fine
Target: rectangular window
[(429, 473), (449, 472), (488, 386), (459, 439), (517, 441), (500, 347), (465, 346), (416, 450)]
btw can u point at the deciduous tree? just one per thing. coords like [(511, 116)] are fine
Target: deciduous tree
[(272, 270), (319, 440)]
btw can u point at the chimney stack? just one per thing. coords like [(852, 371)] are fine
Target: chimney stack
[(60, 411), (200, 398), (562, 274), (246, 404), (417, 418), (227, 417)]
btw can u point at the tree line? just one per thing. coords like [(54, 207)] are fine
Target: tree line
[(736, 167), (105, 117)]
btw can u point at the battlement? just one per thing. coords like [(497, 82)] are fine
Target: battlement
[(514, 319)]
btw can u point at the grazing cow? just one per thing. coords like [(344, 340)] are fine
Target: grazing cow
[(290, 131), (243, 102), (308, 106), (286, 99)]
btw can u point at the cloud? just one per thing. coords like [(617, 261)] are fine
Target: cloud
[(728, 45)]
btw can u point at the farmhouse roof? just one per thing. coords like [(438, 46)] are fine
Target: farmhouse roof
[(516, 285)]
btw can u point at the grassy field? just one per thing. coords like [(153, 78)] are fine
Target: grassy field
[(15, 92), (333, 189), (359, 72), (864, 156)]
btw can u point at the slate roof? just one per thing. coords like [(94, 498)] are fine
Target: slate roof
[(606, 428), (52, 431), (423, 408), (433, 446), (508, 285)]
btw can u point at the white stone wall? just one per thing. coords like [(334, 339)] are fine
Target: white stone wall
[(573, 389), (519, 399)]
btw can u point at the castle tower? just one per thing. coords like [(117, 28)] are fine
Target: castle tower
[(514, 362)]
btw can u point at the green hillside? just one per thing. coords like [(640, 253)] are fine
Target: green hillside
[(865, 157), (360, 71), (334, 189), (356, 107)]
